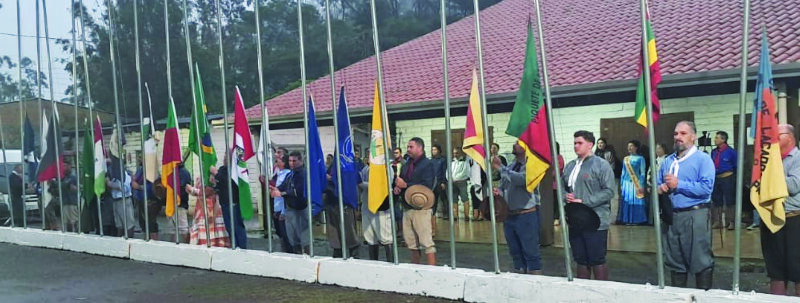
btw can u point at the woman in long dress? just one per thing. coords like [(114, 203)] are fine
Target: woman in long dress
[(633, 209), (217, 235)]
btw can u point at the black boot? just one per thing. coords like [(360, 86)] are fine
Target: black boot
[(353, 253), (704, 279), (389, 255), (373, 252), (337, 252), (679, 279)]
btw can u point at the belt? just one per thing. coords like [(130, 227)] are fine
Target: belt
[(690, 208), (725, 174), (522, 211), (793, 214)]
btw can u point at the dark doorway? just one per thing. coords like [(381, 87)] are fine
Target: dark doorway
[(618, 131), (456, 137)]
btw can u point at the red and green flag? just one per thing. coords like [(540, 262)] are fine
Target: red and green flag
[(640, 114), (473, 132), (170, 158), (242, 151), (528, 122)]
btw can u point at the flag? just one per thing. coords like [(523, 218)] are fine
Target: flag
[(87, 162), (316, 159), (347, 156), (208, 158), (99, 159), (528, 121), (52, 164), (655, 78), (378, 189), (768, 191), (150, 150), (170, 158), (29, 149), (242, 151), (261, 153), (473, 132), (116, 152)]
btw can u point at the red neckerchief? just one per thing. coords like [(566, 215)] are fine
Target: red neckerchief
[(410, 170), (717, 157), (783, 156)]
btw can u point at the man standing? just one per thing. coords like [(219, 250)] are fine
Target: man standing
[(17, 191), (590, 181), (522, 224), (440, 183), (120, 187), (461, 174), (221, 178), (293, 191), (782, 249), (69, 192), (417, 222), (687, 177), (724, 192)]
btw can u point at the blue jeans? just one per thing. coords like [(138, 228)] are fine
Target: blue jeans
[(241, 232), (522, 236)]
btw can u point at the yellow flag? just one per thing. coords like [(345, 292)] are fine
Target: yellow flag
[(378, 188)]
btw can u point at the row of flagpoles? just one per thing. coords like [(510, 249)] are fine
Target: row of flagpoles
[(531, 123)]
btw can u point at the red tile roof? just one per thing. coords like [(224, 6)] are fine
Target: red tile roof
[(588, 41)]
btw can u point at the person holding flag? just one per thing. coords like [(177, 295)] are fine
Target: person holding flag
[(376, 217)]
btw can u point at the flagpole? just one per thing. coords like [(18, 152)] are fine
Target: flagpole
[(141, 117), (22, 115), (447, 129), (197, 135), (90, 105), (169, 93), (338, 148), (122, 172), (57, 132), (307, 161), (651, 140), (41, 107), (75, 101), (740, 143), (385, 127), (553, 152), (266, 163), (486, 143)]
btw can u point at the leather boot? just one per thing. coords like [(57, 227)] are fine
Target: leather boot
[(716, 217), (337, 252), (600, 272), (389, 255), (679, 278), (431, 259), (373, 252), (297, 250), (704, 279)]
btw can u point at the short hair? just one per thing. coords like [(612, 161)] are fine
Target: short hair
[(296, 155), (602, 139), (786, 128), (636, 144), (419, 142), (285, 159), (437, 146), (586, 135), (723, 135), (688, 123), (397, 149), (496, 145)]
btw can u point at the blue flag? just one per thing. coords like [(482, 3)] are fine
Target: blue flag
[(29, 149), (349, 173), (764, 81), (316, 159)]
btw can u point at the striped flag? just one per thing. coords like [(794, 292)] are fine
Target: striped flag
[(769, 191), (378, 188), (473, 133), (655, 78), (170, 158), (150, 150), (99, 159), (242, 151), (52, 163)]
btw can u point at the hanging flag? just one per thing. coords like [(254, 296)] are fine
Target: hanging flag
[(116, 153), (29, 149), (316, 159), (768, 191), (87, 163), (528, 121), (348, 167), (378, 189), (170, 158), (209, 155), (473, 132), (242, 151), (150, 150), (655, 78), (99, 159), (52, 165)]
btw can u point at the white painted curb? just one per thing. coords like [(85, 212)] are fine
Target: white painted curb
[(261, 263), (94, 244), (37, 238), (171, 253), (722, 296)]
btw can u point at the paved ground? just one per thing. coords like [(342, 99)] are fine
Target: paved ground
[(45, 275)]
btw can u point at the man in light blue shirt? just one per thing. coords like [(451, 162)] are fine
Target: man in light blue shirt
[(687, 177), (123, 206)]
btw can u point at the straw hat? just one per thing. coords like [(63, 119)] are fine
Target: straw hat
[(419, 197)]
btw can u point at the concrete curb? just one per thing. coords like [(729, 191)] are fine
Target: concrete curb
[(171, 253), (96, 245), (261, 263)]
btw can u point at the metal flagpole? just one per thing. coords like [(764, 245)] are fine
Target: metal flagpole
[(307, 161), (169, 92), (90, 105), (266, 163), (449, 144), (75, 101), (197, 129), (486, 143), (144, 163), (740, 143), (651, 140), (41, 107), (118, 118), (56, 132), (22, 116), (553, 151), (141, 115), (225, 114), (385, 126), (338, 148)]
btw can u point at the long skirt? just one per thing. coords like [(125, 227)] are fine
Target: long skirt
[(216, 224)]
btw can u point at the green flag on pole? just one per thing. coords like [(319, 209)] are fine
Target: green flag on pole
[(199, 123)]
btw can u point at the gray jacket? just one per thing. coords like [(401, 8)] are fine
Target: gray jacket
[(513, 188), (791, 167), (595, 185)]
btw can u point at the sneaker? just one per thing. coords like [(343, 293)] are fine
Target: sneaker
[(752, 227)]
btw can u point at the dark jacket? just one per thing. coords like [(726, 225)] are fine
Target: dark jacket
[(440, 169), (423, 174), (222, 177), (294, 189), (17, 188)]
